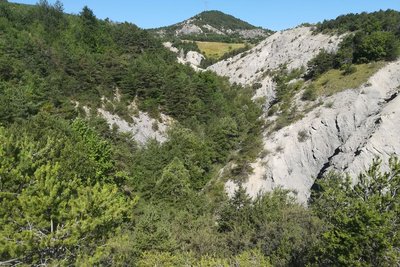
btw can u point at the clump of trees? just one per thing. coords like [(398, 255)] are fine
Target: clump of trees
[(373, 37), (60, 193), (362, 221), (185, 46), (387, 21)]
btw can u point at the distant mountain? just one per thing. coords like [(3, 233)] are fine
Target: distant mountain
[(214, 26)]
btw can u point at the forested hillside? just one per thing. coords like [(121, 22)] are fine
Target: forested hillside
[(371, 37), (74, 192), (214, 26)]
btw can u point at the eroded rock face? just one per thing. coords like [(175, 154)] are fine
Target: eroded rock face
[(188, 28), (361, 125), (251, 34), (170, 47), (214, 30), (192, 58), (142, 127), (292, 48)]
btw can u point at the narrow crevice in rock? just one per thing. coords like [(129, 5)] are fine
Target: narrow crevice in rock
[(338, 130), (392, 97), (337, 125), (378, 121), (357, 152), (328, 163), (316, 187)]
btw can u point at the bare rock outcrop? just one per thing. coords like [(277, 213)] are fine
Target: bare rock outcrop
[(251, 34), (142, 127), (211, 24), (214, 30), (187, 28), (192, 58), (139, 124), (362, 124), (359, 125), (291, 48)]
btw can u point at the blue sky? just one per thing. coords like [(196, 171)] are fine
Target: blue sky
[(272, 14)]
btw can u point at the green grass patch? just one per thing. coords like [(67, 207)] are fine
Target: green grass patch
[(334, 81), (218, 49)]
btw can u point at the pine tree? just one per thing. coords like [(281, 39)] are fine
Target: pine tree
[(174, 185), (46, 212), (363, 220)]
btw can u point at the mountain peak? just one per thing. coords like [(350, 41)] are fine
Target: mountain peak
[(219, 19), (214, 25)]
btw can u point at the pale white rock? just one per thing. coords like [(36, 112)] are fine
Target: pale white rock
[(361, 125), (143, 128), (212, 29), (117, 95), (86, 110), (188, 28), (267, 90), (381, 129), (255, 33), (192, 58), (170, 47), (293, 48)]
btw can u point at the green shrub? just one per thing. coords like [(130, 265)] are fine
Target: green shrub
[(256, 86), (309, 94), (272, 110), (349, 69), (321, 63)]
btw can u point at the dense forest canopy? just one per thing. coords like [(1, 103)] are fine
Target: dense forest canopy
[(221, 20), (388, 21), (75, 192)]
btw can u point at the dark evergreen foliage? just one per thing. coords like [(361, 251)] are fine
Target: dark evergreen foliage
[(373, 37)]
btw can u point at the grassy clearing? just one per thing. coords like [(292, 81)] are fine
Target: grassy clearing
[(335, 81), (217, 49)]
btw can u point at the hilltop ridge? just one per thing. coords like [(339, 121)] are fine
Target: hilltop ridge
[(214, 26)]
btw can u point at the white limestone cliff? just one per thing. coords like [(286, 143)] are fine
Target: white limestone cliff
[(362, 124), (292, 48)]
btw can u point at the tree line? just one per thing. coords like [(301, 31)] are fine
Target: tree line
[(370, 37)]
